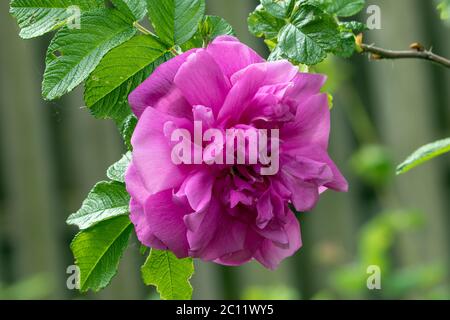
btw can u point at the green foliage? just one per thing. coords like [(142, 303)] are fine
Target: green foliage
[(306, 31), (424, 154), (208, 29), (135, 9), (74, 53), (37, 17), (117, 171), (444, 8), (373, 164), (98, 250), (168, 274), (107, 200), (119, 73), (340, 8), (126, 128), (176, 21)]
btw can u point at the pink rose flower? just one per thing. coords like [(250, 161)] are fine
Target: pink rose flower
[(228, 213)]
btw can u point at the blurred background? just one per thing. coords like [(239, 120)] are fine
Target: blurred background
[(51, 154)]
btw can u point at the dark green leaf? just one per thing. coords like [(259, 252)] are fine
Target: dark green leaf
[(168, 274), (119, 73), (74, 53), (98, 251), (424, 154), (210, 28), (263, 24), (135, 9), (279, 8), (176, 21), (310, 36), (353, 26), (340, 8), (107, 200)]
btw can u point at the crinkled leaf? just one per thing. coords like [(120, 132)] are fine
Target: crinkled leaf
[(37, 17), (117, 171), (310, 36), (135, 9), (279, 8), (263, 24), (74, 53), (98, 251), (340, 8), (168, 274), (424, 154), (176, 21), (119, 73), (346, 46), (106, 200)]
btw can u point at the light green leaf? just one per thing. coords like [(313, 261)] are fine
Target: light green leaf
[(444, 8), (169, 274), (98, 251), (117, 171), (424, 154), (176, 21), (37, 17), (310, 36), (74, 53), (119, 73), (107, 200), (263, 24), (279, 8), (126, 128), (353, 26), (340, 8)]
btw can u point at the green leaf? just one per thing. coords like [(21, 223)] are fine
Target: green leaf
[(37, 17), (98, 251), (74, 53), (209, 28), (169, 274), (263, 24), (176, 21), (353, 26), (117, 171), (310, 36), (424, 154), (279, 8), (119, 73), (126, 128), (135, 9), (340, 8), (346, 46), (106, 200)]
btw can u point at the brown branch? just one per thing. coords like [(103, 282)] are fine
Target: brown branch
[(418, 52)]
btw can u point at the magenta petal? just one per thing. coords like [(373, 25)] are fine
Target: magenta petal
[(339, 183), (311, 124), (204, 181), (158, 86), (202, 82), (271, 254), (231, 55), (216, 233), (143, 228), (306, 85), (152, 152), (248, 81), (165, 221)]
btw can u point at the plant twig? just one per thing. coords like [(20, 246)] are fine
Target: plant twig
[(417, 53)]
